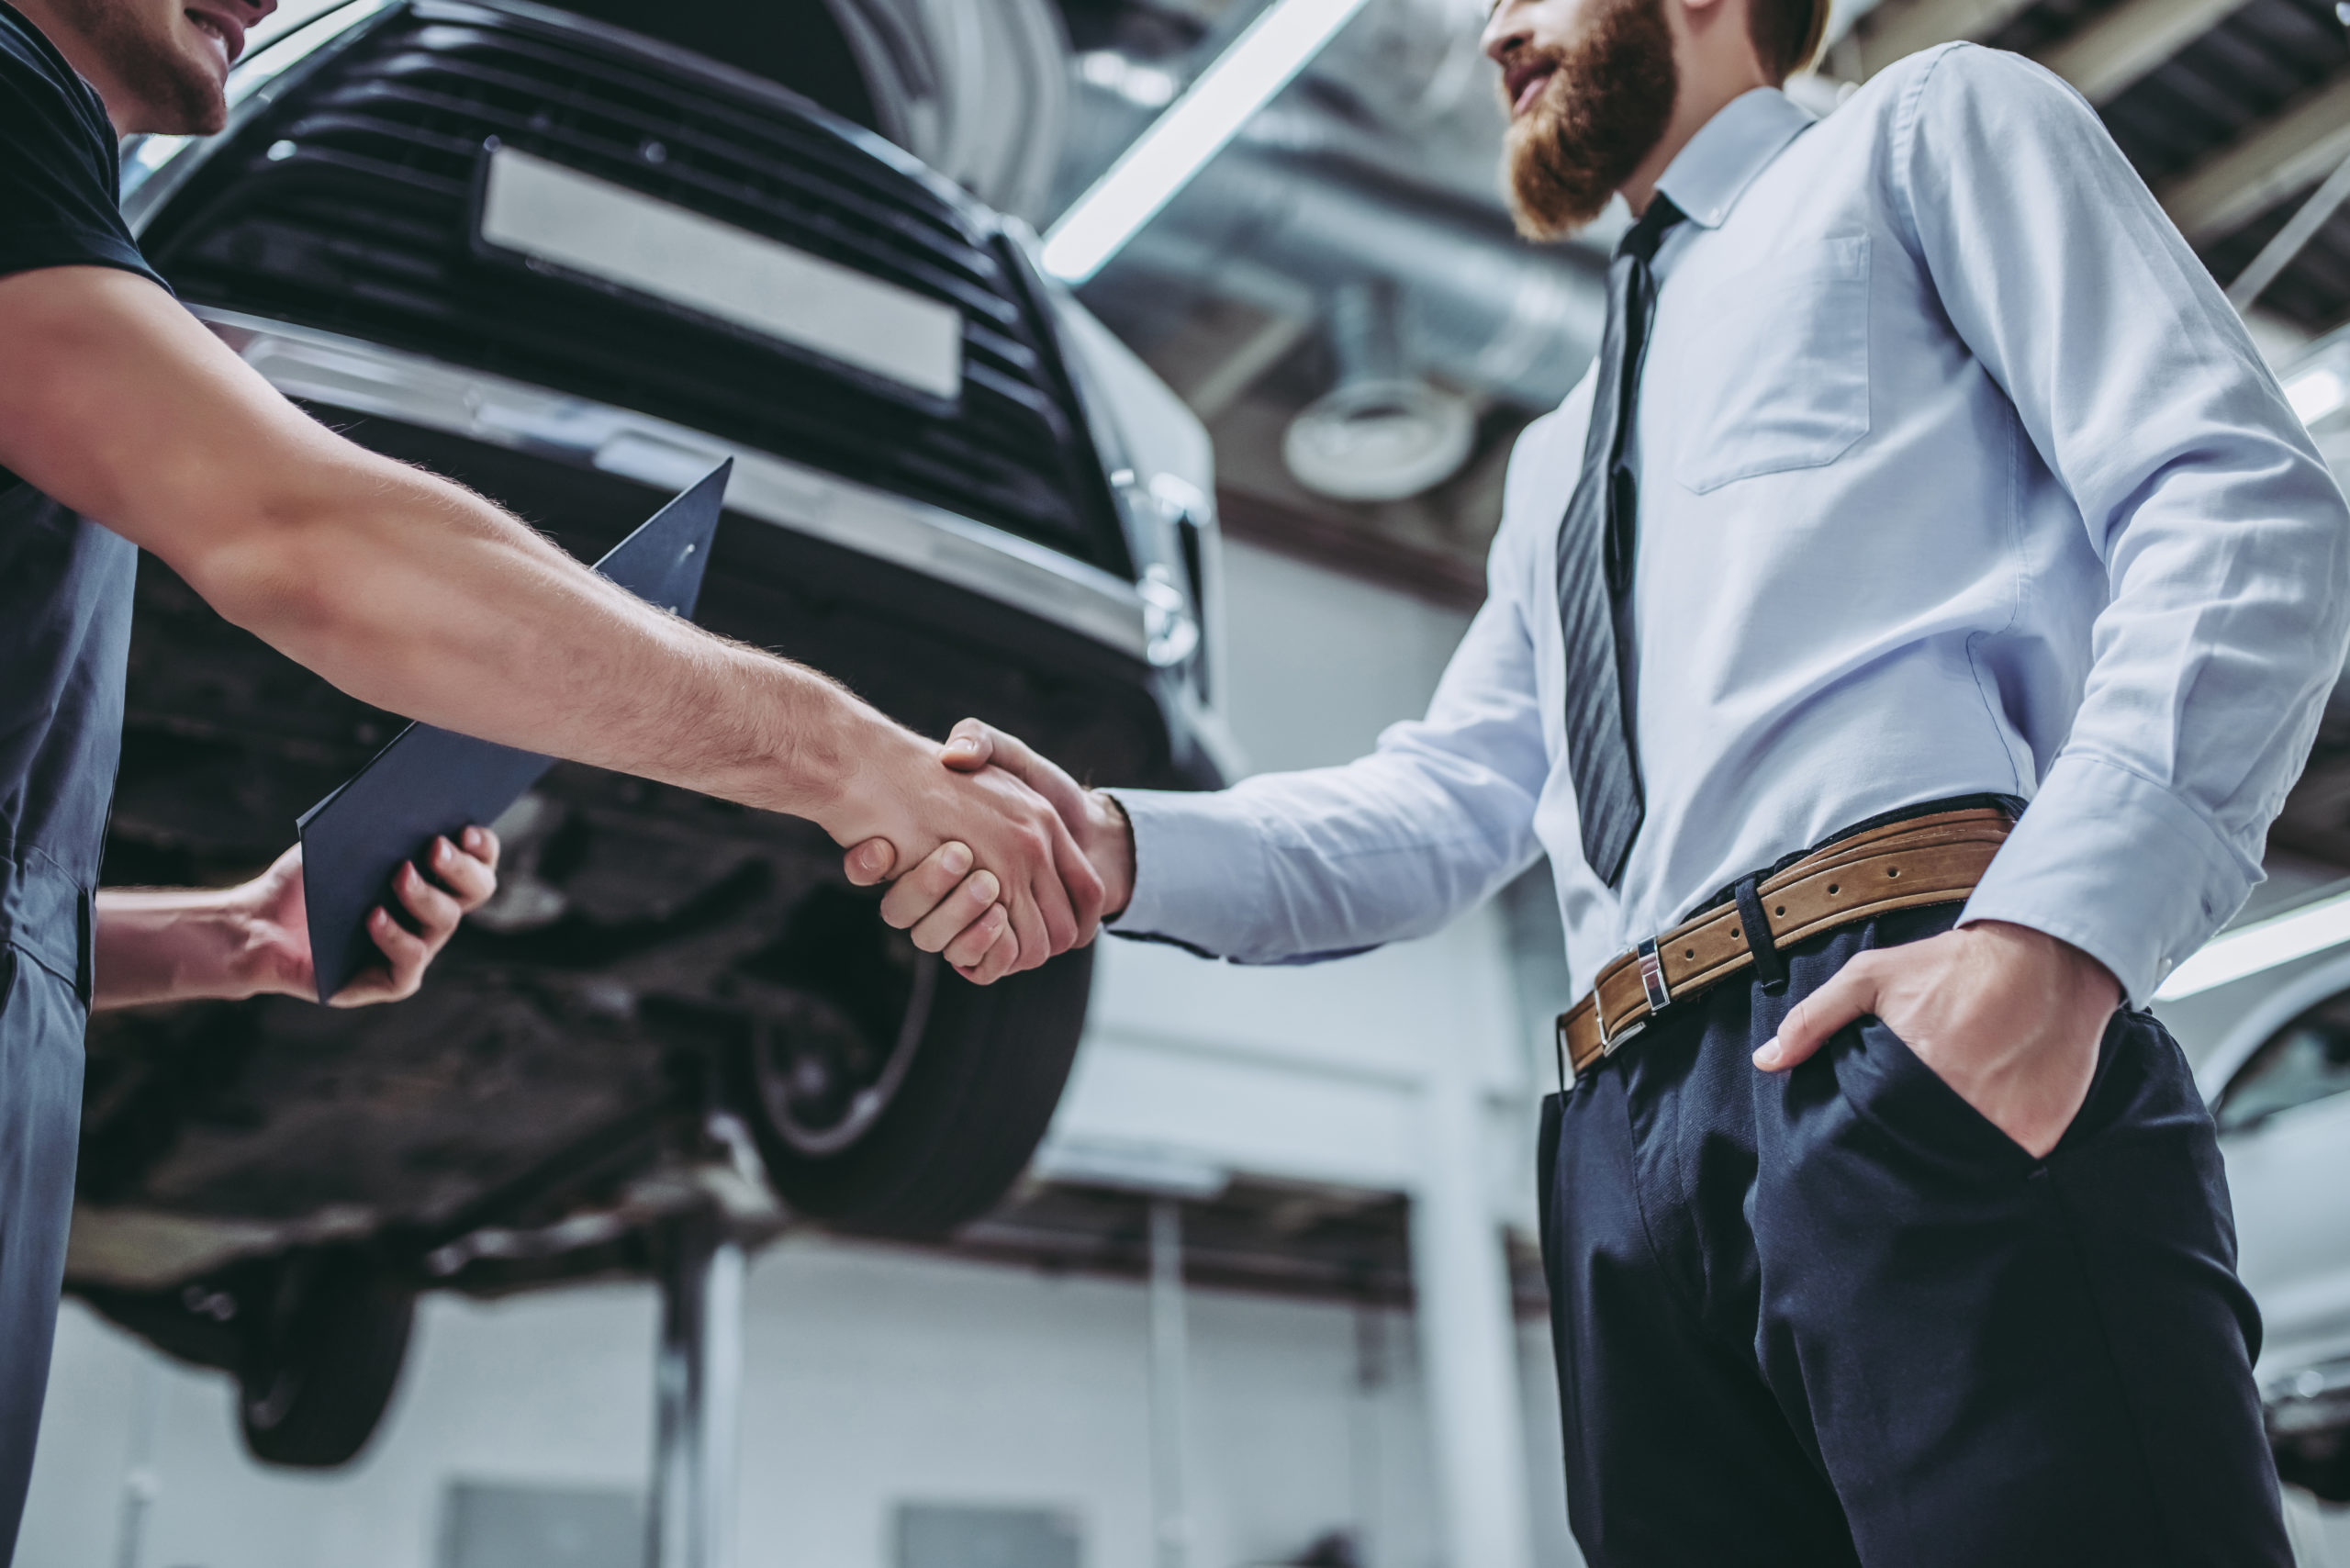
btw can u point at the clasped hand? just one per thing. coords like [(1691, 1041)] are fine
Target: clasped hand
[(954, 903)]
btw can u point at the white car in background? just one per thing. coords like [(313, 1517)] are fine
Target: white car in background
[(2275, 1064), (2279, 1084)]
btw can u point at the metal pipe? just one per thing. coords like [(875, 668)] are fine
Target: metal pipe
[(1493, 314), (697, 1375), (2291, 239), (1295, 208), (1171, 1357)]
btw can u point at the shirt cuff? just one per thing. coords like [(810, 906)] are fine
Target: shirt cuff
[(2120, 868), (1193, 853)]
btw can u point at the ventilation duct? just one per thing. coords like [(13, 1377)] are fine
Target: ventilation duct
[(977, 89), (1295, 209)]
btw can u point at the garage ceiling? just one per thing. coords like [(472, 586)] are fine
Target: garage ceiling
[(2233, 110)]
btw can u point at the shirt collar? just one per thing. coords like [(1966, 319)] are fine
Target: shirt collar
[(1706, 176)]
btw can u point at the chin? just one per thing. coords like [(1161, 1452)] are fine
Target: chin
[(182, 120), (197, 103), (183, 86)]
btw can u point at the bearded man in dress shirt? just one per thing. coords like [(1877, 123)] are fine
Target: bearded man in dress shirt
[(1900, 643)]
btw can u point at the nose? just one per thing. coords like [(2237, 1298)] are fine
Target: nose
[(255, 10), (1507, 31)]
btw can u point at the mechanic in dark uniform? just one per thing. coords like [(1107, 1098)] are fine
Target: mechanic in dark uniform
[(124, 424), (65, 595)]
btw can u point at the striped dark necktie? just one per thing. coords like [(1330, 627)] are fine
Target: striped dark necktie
[(1596, 546)]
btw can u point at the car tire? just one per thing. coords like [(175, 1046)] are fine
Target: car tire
[(982, 1083), (322, 1360)]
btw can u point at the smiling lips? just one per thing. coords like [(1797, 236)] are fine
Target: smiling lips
[(226, 30), (1526, 83)]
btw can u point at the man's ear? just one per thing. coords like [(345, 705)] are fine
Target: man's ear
[(1712, 26)]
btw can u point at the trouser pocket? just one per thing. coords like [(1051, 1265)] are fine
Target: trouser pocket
[(1891, 1089), (2009, 1359)]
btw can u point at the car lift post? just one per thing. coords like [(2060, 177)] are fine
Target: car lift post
[(697, 1384)]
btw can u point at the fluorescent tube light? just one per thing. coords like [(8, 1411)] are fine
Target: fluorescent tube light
[(1240, 81), (2262, 945)]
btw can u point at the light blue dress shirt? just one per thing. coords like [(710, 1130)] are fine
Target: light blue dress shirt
[(1958, 475)]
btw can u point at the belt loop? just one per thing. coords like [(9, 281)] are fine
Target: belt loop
[(1652, 976), (1770, 969)]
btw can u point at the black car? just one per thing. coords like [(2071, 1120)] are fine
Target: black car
[(571, 266)]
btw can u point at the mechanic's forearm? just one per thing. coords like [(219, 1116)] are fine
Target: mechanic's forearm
[(413, 594), (179, 945)]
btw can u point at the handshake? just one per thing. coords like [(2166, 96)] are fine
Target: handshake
[(1008, 860)]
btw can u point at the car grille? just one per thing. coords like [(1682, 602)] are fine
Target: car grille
[(348, 204)]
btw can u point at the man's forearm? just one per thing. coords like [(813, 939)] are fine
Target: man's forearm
[(179, 945), (415, 595)]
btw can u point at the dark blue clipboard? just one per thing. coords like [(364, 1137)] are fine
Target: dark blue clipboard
[(431, 781)]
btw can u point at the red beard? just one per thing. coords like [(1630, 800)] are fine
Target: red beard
[(1606, 104)]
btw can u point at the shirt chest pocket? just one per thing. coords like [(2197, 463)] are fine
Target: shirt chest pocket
[(1772, 369)]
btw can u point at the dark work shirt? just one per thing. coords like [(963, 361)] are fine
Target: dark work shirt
[(59, 169), (65, 583)]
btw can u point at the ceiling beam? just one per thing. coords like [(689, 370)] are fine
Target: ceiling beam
[(2124, 44), (2290, 152), (1901, 27), (2101, 60)]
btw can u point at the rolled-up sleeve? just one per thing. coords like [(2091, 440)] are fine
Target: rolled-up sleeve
[(1288, 867), (2224, 536)]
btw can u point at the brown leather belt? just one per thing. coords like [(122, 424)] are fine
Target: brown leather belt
[(1903, 865)]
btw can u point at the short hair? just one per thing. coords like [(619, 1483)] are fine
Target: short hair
[(1786, 33)]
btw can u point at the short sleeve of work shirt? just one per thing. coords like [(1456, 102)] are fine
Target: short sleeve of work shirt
[(58, 169)]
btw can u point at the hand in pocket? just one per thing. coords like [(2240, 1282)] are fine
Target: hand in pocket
[(2007, 1017)]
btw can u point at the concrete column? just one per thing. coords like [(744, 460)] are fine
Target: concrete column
[(1468, 1335)]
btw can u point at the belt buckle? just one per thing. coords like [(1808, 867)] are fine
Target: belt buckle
[(1609, 1043), (1660, 998)]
